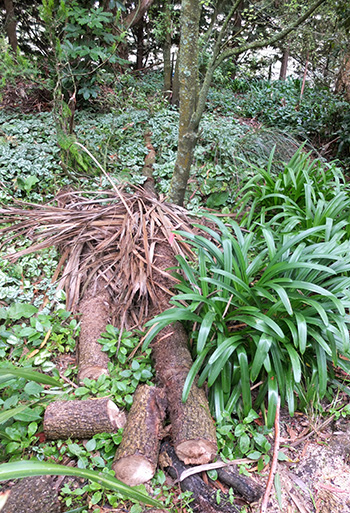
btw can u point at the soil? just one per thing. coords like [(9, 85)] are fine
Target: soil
[(316, 476)]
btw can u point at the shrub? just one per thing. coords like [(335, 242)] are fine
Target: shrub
[(276, 318)]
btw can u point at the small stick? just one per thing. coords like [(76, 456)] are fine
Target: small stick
[(274, 459)]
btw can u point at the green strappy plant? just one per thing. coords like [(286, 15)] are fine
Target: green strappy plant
[(275, 319)]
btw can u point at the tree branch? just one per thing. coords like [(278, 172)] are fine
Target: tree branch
[(272, 40)]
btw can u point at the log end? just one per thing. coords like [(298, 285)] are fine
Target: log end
[(93, 372), (133, 470), (117, 417), (196, 452)]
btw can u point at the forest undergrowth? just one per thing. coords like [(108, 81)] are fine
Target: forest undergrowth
[(266, 301)]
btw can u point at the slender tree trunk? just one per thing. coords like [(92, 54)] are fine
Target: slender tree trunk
[(140, 47), (188, 77), (192, 104), (284, 63), (10, 24), (343, 80), (175, 98), (167, 51), (304, 77)]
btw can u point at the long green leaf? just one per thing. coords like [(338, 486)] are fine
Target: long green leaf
[(233, 341), (8, 414), (322, 370), (294, 358), (30, 375), (302, 331), (272, 398), (192, 373), (245, 383), (204, 330), (261, 352), (19, 469)]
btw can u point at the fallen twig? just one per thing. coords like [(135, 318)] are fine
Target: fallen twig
[(274, 459)]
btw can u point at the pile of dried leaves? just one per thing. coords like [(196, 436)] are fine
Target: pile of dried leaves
[(124, 240)]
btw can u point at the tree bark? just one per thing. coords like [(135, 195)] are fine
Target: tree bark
[(342, 85), (190, 116), (94, 308), (135, 16), (204, 497), (284, 63), (137, 455), (193, 429), (188, 77), (82, 419), (139, 44), (243, 485), (167, 51), (31, 494), (175, 97), (10, 24)]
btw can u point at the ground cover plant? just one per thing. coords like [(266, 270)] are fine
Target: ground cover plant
[(266, 300)]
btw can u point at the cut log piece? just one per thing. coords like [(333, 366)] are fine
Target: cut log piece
[(95, 313), (243, 485), (204, 497), (31, 494), (82, 419), (137, 456), (193, 429)]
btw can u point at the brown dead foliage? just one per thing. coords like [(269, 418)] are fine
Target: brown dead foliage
[(123, 240), (26, 96)]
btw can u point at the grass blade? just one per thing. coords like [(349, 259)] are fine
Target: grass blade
[(19, 469)]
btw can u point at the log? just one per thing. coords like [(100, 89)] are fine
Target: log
[(204, 497), (193, 429), (137, 455), (31, 494), (243, 485), (82, 419), (95, 313)]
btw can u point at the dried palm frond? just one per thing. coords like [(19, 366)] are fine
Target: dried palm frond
[(124, 240)]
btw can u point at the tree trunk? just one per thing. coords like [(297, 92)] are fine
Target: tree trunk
[(175, 97), (10, 24), (204, 497), (342, 85), (167, 51), (94, 308), (31, 494), (188, 76), (140, 47), (82, 419), (193, 429), (284, 63), (137, 455), (190, 116)]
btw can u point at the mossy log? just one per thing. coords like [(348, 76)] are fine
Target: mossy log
[(82, 419), (137, 455), (205, 498), (31, 494), (95, 314), (193, 429)]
